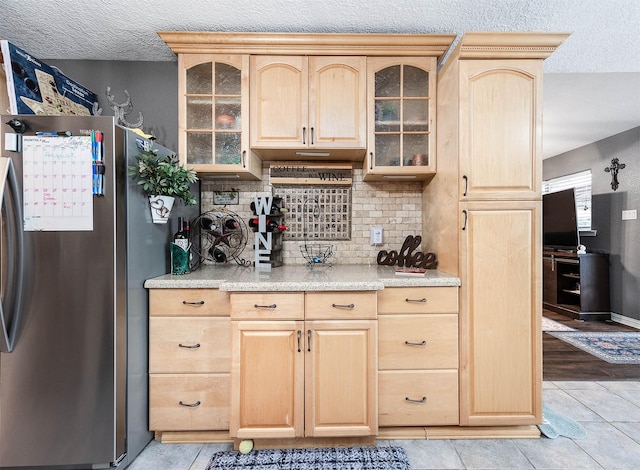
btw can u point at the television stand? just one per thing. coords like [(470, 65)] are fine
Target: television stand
[(576, 285)]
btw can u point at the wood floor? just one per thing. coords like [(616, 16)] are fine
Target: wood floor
[(561, 361)]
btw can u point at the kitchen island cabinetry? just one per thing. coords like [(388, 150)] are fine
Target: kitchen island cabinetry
[(303, 371), (189, 360), (305, 103), (402, 110), (213, 115)]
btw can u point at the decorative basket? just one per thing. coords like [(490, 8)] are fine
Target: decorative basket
[(317, 253)]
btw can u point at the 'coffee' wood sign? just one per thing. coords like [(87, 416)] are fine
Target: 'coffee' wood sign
[(291, 173)]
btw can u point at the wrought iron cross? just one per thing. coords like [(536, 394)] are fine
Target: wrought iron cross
[(613, 169)]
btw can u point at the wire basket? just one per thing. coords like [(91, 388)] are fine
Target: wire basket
[(317, 253)]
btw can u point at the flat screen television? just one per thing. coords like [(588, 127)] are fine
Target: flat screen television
[(559, 221)]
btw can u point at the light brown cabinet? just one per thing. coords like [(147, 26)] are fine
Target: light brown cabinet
[(189, 360), (489, 175), (501, 301), (310, 99), (501, 114), (305, 103), (401, 98), (418, 356), (213, 115), (295, 378)]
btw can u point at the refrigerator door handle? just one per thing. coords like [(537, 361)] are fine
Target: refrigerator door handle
[(14, 257)]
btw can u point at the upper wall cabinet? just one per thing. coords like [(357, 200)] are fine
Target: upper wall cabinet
[(312, 97), (213, 115), (401, 110), (308, 106), (500, 113)]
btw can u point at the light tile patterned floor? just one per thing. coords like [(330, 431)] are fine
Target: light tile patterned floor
[(609, 411)]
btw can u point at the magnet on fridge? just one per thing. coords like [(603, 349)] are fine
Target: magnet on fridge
[(11, 142)]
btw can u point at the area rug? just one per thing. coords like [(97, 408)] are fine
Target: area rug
[(555, 425), (333, 458), (551, 325), (614, 347)]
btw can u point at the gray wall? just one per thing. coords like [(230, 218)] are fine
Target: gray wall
[(621, 239), (153, 87)]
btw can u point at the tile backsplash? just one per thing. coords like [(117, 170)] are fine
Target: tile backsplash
[(396, 206)]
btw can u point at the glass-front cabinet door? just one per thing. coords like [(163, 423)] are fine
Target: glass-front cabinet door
[(401, 112), (213, 115)]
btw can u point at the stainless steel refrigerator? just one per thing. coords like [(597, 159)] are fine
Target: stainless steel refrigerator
[(74, 360)]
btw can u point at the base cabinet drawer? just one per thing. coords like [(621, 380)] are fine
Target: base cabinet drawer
[(189, 344), (186, 402), (418, 341), (418, 398)]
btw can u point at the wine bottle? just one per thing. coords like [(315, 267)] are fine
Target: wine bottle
[(218, 255), (231, 224), (181, 237), (206, 223), (271, 225)]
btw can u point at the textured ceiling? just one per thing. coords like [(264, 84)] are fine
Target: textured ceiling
[(604, 38)]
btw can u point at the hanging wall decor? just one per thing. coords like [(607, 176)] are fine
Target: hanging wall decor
[(613, 169)]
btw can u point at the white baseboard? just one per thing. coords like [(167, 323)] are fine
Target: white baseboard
[(632, 322)]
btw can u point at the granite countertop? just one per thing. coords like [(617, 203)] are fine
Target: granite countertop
[(298, 278)]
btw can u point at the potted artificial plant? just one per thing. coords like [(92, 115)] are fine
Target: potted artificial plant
[(163, 179)]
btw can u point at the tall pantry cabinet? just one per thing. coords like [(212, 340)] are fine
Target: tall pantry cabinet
[(486, 197)]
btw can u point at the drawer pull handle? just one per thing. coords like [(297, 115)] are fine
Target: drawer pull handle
[(423, 400), (343, 305), (422, 343), (265, 306), (193, 346), (420, 301), (190, 405), (200, 302)]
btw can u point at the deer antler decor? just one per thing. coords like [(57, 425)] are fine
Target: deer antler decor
[(122, 110), (613, 169)]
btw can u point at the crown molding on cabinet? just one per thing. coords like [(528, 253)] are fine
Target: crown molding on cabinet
[(431, 45)]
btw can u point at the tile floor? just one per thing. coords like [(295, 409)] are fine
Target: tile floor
[(609, 411)]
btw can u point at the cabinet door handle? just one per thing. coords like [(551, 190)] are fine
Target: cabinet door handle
[(304, 136), (423, 400), (466, 184), (299, 336), (244, 155), (422, 343), (308, 340), (265, 306), (200, 302), (421, 301), (311, 129), (343, 305), (371, 160), (190, 405), (186, 346), (464, 226)]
